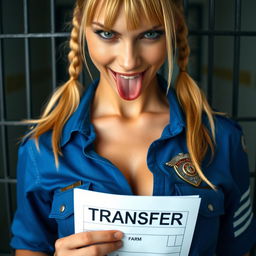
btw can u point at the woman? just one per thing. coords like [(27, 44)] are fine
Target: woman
[(128, 133)]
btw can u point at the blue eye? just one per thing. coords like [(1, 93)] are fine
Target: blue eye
[(151, 35), (105, 34)]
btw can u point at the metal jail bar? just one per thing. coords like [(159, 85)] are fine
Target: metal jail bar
[(236, 65), (27, 60), (3, 134), (53, 42), (211, 25), (211, 33)]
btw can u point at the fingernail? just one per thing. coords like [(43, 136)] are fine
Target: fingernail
[(119, 244), (118, 235)]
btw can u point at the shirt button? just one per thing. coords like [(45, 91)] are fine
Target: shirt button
[(210, 207), (62, 208)]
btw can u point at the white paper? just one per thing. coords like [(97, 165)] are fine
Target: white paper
[(152, 225)]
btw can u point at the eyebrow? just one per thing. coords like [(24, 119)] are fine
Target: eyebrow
[(102, 26)]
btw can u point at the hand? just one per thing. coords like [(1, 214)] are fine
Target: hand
[(93, 243)]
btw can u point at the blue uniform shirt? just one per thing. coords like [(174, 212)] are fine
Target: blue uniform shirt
[(225, 224)]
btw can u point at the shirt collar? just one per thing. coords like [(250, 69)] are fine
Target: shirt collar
[(177, 118), (80, 119)]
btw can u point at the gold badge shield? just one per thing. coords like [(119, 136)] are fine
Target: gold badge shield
[(183, 166)]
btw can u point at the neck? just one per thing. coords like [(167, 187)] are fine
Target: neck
[(107, 102)]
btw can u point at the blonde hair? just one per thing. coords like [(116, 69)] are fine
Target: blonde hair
[(165, 12)]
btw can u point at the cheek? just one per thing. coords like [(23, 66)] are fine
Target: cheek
[(156, 55), (99, 53)]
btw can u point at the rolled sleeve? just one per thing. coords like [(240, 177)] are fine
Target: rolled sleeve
[(238, 225), (31, 228)]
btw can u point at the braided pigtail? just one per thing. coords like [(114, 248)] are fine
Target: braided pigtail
[(66, 98), (193, 102)]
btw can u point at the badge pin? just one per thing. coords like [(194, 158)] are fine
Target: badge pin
[(183, 166)]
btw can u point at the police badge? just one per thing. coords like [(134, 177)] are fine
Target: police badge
[(183, 166)]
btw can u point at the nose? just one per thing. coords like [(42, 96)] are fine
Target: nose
[(129, 56)]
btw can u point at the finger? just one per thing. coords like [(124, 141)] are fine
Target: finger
[(100, 249), (88, 238)]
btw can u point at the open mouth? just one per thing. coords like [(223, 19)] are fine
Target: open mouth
[(127, 76), (129, 86)]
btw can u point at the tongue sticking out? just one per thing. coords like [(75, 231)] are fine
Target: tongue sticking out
[(129, 88)]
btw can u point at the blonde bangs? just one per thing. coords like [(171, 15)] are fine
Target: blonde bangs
[(134, 11), (151, 10)]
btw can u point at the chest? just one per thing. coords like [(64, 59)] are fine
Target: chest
[(96, 179), (126, 145)]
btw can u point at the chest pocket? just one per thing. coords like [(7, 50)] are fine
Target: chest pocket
[(63, 210), (212, 202), (207, 226)]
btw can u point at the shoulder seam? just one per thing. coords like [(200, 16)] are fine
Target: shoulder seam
[(31, 153)]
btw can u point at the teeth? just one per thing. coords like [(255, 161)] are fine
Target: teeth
[(129, 77)]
